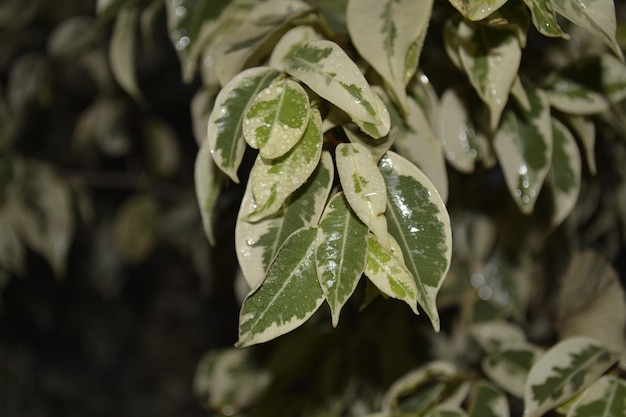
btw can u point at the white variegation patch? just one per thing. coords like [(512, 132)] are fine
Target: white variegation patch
[(285, 48), (208, 183)]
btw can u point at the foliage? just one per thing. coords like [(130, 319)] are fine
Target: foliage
[(461, 157)]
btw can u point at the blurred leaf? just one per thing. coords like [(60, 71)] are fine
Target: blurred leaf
[(477, 9), (122, 51), (12, 251), (544, 18), (72, 37), (208, 184), (509, 366), (29, 84), (487, 401), (136, 226), (162, 149), (606, 397), (496, 335)]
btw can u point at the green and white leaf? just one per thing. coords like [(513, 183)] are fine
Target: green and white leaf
[(613, 78), (495, 335), (565, 370), (595, 16), (417, 218), (327, 70), (277, 117), (288, 297), (122, 51), (287, 45), (340, 253), (208, 183), (565, 172), (274, 180), (364, 187), (544, 18), (446, 411), (477, 9), (487, 401), (257, 243), (417, 142), (385, 268), (225, 128), (377, 147), (491, 59), (523, 144), (376, 131), (264, 20), (12, 251), (606, 398), (386, 35), (572, 97), (509, 367), (585, 129)]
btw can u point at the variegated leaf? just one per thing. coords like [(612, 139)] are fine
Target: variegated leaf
[(374, 130), (122, 50), (444, 411), (377, 147), (509, 367), (277, 117), (613, 78), (565, 172), (491, 60), (385, 268), (274, 180), (572, 97), (12, 250), (487, 401), (595, 16), (263, 20), (386, 34), (289, 295), (477, 9), (544, 18), (225, 128), (565, 370), (418, 220), (417, 142), (364, 187), (327, 70), (291, 40), (606, 398), (340, 253), (495, 335), (208, 183), (257, 243), (585, 129), (523, 144)]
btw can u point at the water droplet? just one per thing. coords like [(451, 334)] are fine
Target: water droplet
[(208, 61), (250, 242), (477, 280), (181, 11), (182, 43), (485, 293)]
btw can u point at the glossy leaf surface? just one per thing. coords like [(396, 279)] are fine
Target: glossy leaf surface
[(418, 220), (477, 9), (208, 182), (544, 18)]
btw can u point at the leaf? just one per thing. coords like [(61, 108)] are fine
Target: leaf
[(573, 97), (565, 370), (607, 398), (225, 129), (544, 18), (274, 180), (477, 9), (595, 16), (495, 335), (376, 147), (418, 220), (12, 251), (277, 118), (341, 250), (592, 301), (385, 268), (613, 78), (257, 243), (585, 129), (208, 184), (161, 147), (523, 144), (443, 411), (363, 186), (491, 59), (135, 227), (327, 70), (287, 45), (487, 401), (122, 50), (509, 367), (385, 33), (565, 172), (289, 295)]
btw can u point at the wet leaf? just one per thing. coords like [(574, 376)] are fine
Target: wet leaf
[(327, 70), (595, 16), (565, 172), (377, 147), (277, 117), (363, 186), (607, 397), (417, 218), (477, 9), (257, 243), (387, 34), (385, 268), (544, 18), (274, 180), (487, 401), (225, 129), (572, 97), (161, 145), (290, 41), (565, 370), (523, 144), (208, 184), (491, 59), (289, 295), (509, 366), (341, 250), (122, 51)]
